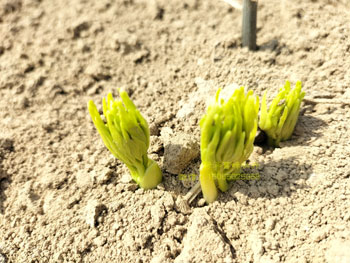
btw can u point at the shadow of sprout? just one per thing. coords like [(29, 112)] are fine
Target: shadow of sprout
[(277, 178), (179, 184), (307, 129), (269, 179), (280, 177), (278, 174)]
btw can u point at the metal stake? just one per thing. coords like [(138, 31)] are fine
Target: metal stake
[(249, 24)]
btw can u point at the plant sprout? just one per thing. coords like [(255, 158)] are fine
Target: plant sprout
[(126, 135), (227, 134), (279, 121)]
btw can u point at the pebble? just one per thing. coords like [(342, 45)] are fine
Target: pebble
[(3, 258), (102, 177), (201, 202), (157, 213), (256, 245), (93, 210), (100, 241), (270, 224), (83, 179), (179, 151)]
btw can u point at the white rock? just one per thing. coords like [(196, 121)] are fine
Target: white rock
[(92, 211), (256, 245), (179, 151)]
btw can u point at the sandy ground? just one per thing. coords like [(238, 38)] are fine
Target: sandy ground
[(64, 198)]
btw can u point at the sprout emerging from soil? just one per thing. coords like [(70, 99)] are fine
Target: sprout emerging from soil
[(126, 135), (279, 121), (227, 134)]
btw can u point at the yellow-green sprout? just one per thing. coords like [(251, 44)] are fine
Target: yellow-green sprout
[(279, 121), (228, 130), (126, 135)]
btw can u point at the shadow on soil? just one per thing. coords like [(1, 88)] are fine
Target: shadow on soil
[(280, 178), (6, 146), (308, 128), (277, 178), (4, 182)]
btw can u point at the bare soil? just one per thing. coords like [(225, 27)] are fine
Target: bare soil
[(64, 198)]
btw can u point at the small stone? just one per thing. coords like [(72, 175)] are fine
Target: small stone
[(125, 179), (233, 232), (20, 89), (83, 179), (201, 202), (179, 24), (157, 213), (98, 73), (320, 235), (166, 134), (23, 103), (129, 241), (270, 224), (102, 177), (100, 241), (155, 10), (93, 210), (139, 56), (161, 187), (131, 187), (167, 201), (78, 157), (172, 219), (57, 257), (2, 258), (179, 151), (78, 29), (256, 245)]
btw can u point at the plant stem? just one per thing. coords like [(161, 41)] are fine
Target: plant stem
[(209, 190), (272, 142)]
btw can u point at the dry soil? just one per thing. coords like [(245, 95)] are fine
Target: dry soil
[(64, 198)]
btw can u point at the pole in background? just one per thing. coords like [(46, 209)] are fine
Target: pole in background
[(249, 24)]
